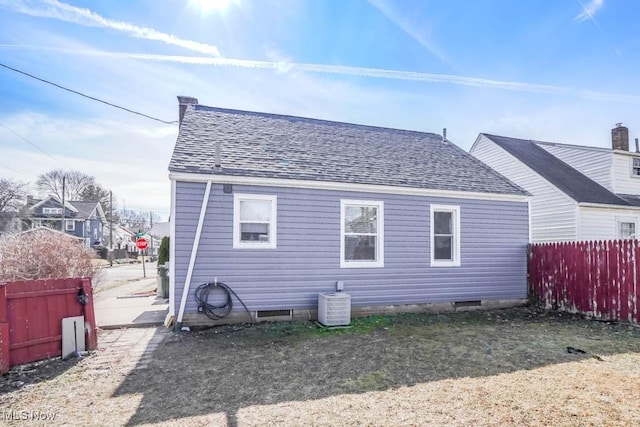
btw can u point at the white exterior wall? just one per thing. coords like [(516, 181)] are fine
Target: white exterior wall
[(594, 162), (553, 214), (624, 182), (602, 223)]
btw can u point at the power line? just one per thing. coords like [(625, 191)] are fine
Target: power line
[(32, 144), (10, 169), (88, 96)]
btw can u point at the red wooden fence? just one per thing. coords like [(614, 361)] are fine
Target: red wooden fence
[(601, 279), (31, 314)]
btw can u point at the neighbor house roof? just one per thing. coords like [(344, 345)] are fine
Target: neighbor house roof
[(85, 208), (569, 180), (276, 146)]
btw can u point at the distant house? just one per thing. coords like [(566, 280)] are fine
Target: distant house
[(83, 219), (283, 208), (578, 193)]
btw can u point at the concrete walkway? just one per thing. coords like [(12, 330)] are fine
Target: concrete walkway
[(129, 305)]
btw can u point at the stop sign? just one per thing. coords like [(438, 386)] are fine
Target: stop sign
[(141, 243)]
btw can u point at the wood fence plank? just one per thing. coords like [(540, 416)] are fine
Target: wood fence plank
[(34, 312), (598, 278), (636, 283)]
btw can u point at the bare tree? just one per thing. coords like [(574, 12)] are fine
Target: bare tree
[(137, 220), (12, 195), (75, 183)]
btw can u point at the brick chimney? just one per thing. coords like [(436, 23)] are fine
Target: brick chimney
[(184, 101), (620, 137)]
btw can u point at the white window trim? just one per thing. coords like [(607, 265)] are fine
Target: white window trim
[(52, 211), (273, 225), (632, 220), (456, 236), (66, 225), (379, 262), (633, 175)]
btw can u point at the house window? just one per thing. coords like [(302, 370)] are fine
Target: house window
[(69, 225), (254, 221), (95, 234), (445, 236), (635, 167), (52, 211), (626, 230), (361, 234), (88, 225)]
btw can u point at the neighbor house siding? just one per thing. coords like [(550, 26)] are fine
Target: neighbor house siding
[(553, 213), (625, 183), (592, 162), (306, 260), (602, 223)]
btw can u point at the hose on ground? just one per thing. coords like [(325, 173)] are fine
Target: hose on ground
[(212, 311)]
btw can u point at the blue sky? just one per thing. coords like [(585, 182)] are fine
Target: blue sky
[(563, 71)]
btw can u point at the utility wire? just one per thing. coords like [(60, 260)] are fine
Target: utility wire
[(32, 144), (8, 168), (87, 96)]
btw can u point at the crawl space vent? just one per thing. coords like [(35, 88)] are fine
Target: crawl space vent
[(273, 315), (334, 309)]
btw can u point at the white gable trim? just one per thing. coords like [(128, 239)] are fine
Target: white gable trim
[(101, 213), (53, 197), (341, 186), (599, 205)]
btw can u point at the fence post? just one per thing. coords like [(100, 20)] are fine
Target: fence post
[(5, 363), (91, 336)]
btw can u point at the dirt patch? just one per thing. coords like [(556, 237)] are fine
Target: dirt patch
[(481, 368)]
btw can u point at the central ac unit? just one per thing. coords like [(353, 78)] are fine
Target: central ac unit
[(334, 309)]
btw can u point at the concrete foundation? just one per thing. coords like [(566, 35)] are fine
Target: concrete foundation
[(200, 320)]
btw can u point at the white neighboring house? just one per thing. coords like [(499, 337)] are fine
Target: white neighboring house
[(578, 193), (123, 238)]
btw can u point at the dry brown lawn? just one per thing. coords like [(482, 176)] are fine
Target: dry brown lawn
[(506, 367)]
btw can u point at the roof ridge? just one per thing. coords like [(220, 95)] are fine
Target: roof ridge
[(570, 188), (267, 145), (197, 107)]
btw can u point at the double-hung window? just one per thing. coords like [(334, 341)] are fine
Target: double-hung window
[(254, 221), (626, 229), (445, 236), (69, 225), (361, 233), (52, 211), (635, 167)]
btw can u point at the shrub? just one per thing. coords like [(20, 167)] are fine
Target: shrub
[(44, 254), (163, 251)]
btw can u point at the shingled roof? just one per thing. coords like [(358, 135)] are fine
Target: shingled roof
[(85, 208), (276, 146), (569, 180)]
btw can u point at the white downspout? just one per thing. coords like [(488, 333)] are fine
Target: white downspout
[(194, 254), (172, 252)]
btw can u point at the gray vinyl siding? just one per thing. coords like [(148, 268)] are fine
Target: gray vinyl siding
[(306, 261)]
